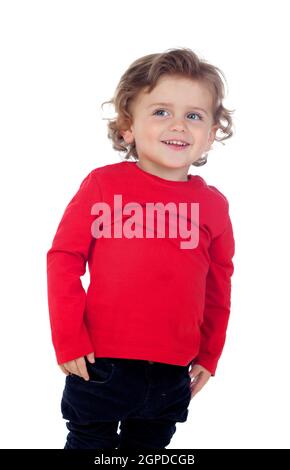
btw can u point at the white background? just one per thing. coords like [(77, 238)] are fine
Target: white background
[(59, 61)]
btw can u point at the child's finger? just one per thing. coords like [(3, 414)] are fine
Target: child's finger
[(82, 368), (72, 367), (91, 357)]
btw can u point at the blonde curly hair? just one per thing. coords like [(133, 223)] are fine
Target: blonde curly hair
[(145, 72)]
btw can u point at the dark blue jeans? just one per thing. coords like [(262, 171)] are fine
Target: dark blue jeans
[(147, 398)]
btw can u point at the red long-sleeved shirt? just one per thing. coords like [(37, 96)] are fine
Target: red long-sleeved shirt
[(148, 298)]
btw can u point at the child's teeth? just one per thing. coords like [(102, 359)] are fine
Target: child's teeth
[(174, 142)]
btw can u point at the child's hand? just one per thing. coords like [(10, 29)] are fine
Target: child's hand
[(200, 376), (78, 366)]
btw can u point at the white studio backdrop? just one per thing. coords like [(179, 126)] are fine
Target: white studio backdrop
[(59, 61)]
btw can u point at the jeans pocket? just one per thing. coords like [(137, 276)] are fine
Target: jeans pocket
[(101, 371)]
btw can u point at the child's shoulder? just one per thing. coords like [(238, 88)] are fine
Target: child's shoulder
[(213, 191), (100, 176), (109, 169)]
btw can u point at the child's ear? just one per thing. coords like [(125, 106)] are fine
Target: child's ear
[(211, 136), (127, 136)]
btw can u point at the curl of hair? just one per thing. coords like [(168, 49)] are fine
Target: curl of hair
[(144, 73)]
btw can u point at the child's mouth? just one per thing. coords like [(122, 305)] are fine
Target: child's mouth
[(176, 146)]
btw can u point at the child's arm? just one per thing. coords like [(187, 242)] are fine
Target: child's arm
[(217, 299), (66, 263)]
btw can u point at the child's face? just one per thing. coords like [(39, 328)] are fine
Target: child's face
[(179, 121)]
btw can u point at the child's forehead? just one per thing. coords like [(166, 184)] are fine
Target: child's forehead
[(173, 90)]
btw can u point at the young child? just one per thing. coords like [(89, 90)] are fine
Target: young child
[(148, 333)]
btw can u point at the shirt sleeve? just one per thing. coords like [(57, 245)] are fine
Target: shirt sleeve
[(66, 263), (217, 299)]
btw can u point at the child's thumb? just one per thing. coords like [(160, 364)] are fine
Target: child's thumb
[(91, 357)]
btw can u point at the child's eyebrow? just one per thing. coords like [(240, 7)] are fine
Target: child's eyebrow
[(170, 104)]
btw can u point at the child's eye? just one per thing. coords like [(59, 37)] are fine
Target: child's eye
[(195, 114), (158, 111)]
